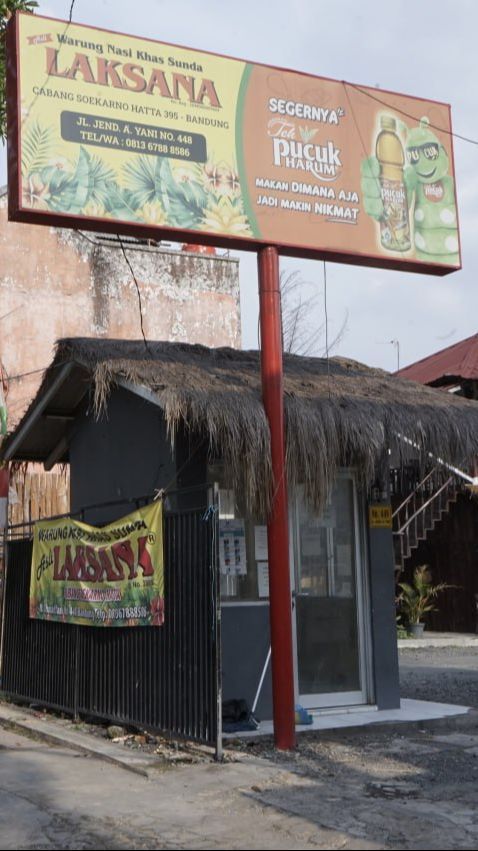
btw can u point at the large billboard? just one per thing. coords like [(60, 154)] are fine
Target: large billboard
[(116, 133)]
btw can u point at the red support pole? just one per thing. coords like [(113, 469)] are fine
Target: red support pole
[(278, 523)]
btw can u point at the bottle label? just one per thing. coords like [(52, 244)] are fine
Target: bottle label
[(434, 191), (394, 229)]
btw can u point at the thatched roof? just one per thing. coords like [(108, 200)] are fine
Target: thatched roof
[(338, 412)]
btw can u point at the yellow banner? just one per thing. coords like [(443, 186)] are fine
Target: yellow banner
[(110, 131), (127, 129), (108, 576)]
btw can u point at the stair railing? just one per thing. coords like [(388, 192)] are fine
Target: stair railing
[(410, 521), (422, 507)]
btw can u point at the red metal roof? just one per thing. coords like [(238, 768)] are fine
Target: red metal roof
[(457, 361)]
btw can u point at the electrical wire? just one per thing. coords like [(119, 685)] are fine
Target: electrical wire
[(35, 371), (138, 291), (326, 330), (345, 83)]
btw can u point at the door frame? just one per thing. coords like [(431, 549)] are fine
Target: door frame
[(364, 695)]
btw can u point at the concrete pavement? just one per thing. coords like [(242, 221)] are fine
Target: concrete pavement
[(53, 798), (387, 786), (439, 639), (63, 732), (366, 790)]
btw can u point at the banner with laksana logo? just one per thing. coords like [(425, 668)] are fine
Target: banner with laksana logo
[(108, 576)]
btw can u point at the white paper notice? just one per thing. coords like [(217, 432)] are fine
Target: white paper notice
[(263, 578), (260, 543), (232, 547)]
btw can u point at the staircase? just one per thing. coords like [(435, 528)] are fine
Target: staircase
[(424, 507)]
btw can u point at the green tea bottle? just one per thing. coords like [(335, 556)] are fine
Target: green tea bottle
[(394, 225)]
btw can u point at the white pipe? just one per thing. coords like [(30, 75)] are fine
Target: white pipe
[(455, 470), (259, 687)]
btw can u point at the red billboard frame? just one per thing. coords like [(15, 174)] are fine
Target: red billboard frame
[(19, 213)]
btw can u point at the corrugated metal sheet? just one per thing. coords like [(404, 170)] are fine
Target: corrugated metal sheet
[(459, 361)]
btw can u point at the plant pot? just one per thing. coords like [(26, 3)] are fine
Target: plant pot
[(415, 630)]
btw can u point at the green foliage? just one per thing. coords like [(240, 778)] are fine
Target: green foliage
[(401, 629), (7, 8), (143, 179), (68, 188), (417, 599), (119, 201), (100, 178), (146, 189), (68, 192), (183, 201), (37, 148)]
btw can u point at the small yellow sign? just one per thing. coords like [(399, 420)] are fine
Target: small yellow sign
[(380, 516)]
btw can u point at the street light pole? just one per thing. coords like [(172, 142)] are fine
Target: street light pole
[(396, 343)]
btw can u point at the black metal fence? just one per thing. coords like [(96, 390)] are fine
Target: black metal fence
[(165, 679)]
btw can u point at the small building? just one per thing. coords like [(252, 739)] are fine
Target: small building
[(454, 368), (134, 418), (444, 531)]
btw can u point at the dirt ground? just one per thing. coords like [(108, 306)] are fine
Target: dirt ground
[(407, 789), (443, 674)]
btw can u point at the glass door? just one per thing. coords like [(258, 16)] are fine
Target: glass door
[(328, 602)]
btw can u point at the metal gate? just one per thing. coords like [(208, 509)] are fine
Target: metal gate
[(165, 679)]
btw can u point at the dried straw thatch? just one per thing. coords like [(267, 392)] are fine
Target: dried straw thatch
[(337, 413)]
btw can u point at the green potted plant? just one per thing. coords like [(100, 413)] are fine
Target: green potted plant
[(418, 598)]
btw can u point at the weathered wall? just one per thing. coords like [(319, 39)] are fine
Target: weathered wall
[(123, 455), (59, 283), (38, 494)]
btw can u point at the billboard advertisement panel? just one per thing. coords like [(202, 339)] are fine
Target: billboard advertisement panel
[(116, 133)]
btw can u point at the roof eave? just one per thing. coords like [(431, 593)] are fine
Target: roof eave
[(47, 404)]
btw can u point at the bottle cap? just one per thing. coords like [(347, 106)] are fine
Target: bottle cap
[(387, 122)]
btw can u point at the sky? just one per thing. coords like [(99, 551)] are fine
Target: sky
[(426, 49)]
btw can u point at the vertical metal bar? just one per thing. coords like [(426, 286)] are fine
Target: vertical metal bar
[(216, 608), (193, 590), (277, 526), (4, 594), (204, 660), (185, 592), (188, 591), (76, 673), (175, 625), (108, 669)]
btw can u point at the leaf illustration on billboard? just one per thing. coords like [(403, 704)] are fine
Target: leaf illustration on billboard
[(70, 193), (118, 203), (38, 148), (184, 200), (143, 178), (101, 177)]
